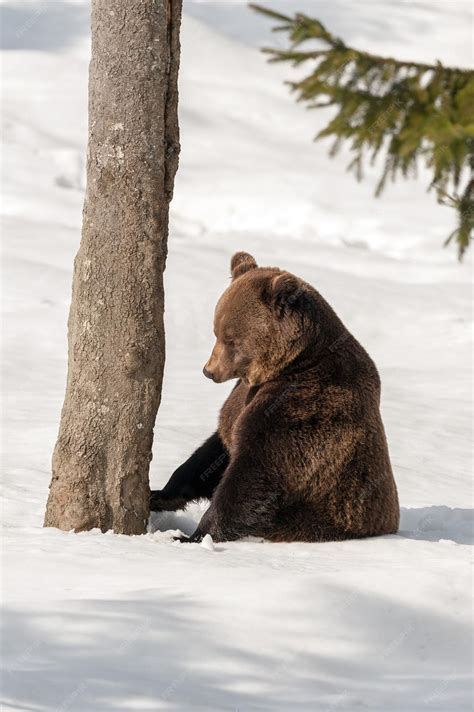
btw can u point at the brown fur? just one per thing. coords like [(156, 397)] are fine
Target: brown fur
[(302, 428)]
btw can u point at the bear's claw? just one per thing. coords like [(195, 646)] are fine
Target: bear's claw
[(195, 538)]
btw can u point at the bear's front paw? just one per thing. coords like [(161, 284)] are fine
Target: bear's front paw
[(160, 503)]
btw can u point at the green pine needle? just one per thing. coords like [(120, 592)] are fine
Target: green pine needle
[(402, 111)]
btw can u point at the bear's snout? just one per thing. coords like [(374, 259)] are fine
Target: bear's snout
[(208, 374), (216, 367)]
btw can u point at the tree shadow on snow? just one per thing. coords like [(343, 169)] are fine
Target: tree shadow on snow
[(165, 652)]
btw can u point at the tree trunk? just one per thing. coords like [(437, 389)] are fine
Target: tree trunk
[(115, 329)]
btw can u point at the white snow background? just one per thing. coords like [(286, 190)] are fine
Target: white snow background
[(102, 623)]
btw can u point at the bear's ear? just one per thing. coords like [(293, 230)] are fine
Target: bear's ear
[(285, 293), (240, 263)]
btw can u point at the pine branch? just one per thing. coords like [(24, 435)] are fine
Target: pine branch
[(408, 111), (270, 13), (305, 28)]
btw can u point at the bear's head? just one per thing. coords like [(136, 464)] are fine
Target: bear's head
[(260, 323)]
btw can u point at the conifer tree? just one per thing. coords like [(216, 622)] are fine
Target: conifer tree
[(405, 112)]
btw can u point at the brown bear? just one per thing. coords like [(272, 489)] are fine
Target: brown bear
[(300, 453)]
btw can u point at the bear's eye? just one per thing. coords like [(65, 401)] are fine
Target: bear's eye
[(229, 342)]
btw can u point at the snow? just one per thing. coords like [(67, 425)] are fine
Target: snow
[(207, 543), (95, 622)]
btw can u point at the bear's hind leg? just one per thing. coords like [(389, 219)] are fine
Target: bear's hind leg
[(244, 504)]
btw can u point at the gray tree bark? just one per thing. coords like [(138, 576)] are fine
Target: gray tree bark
[(115, 328)]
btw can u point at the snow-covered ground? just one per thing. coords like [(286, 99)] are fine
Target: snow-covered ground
[(99, 623)]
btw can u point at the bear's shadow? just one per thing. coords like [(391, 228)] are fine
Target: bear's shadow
[(433, 523), (437, 523), (185, 521)]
